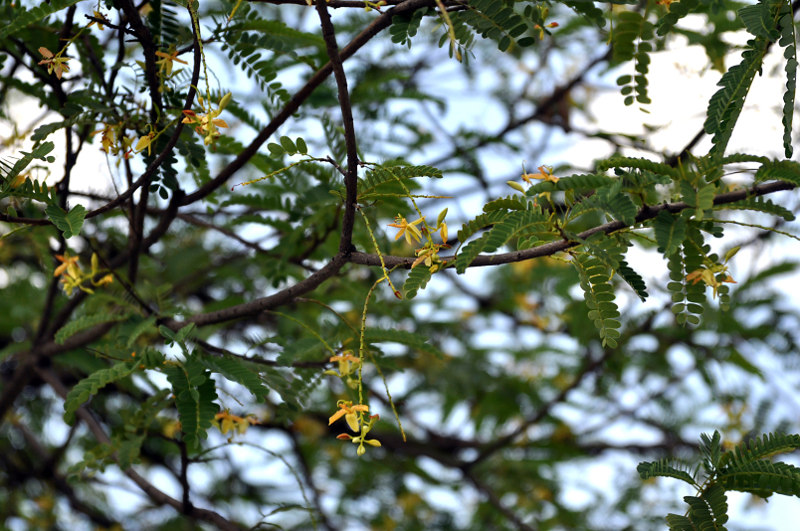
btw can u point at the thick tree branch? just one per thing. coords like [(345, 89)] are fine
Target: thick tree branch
[(351, 175), (265, 303), (551, 248)]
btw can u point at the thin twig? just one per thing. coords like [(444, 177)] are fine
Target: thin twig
[(148, 488)]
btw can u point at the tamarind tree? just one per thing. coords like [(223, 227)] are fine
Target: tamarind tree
[(281, 264)]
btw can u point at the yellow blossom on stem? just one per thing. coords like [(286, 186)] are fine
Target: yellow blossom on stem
[(362, 437), (108, 140), (208, 122), (69, 265), (429, 255), (369, 6), (145, 142), (350, 413), (545, 174), (709, 277), (70, 272), (99, 16), (411, 232), (347, 363), (55, 63), (226, 422), (442, 229), (165, 63), (72, 276)]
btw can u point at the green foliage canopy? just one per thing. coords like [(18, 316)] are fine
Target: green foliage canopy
[(219, 255)]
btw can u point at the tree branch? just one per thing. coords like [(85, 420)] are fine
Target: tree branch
[(148, 488), (376, 26), (551, 248), (351, 175)]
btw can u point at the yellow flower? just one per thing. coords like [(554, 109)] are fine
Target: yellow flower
[(230, 423), (545, 174), (72, 276), (362, 437), (99, 16), (165, 63), (429, 255), (109, 139), (208, 122), (709, 277), (70, 273), (145, 142), (443, 231), (55, 63), (349, 412), (69, 265), (347, 363), (410, 230)]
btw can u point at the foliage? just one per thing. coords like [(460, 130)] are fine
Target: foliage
[(226, 252), (745, 468)]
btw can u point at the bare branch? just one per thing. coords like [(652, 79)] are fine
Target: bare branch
[(351, 176)]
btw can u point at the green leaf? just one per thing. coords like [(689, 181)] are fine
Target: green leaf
[(759, 20), (69, 223), (82, 323), (26, 18), (238, 371), (633, 279), (726, 104), (417, 279), (785, 170), (302, 148), (195, 393), (469, 252), (276, 150), (140, 329), (760, 204), (404, 337), (288, 145), (788, 41), (572, 182), (39, 152), (663, 468), (599, 296), (90, 385), (387, 173), (670, 231)]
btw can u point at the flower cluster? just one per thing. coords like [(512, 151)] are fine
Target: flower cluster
[(72, 276), (545, 174), (429, 252), (226, 422), (348, 365), (714, 274), (55, 63), (165, 63), (354, 416), (114, 142), (207, 123)]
